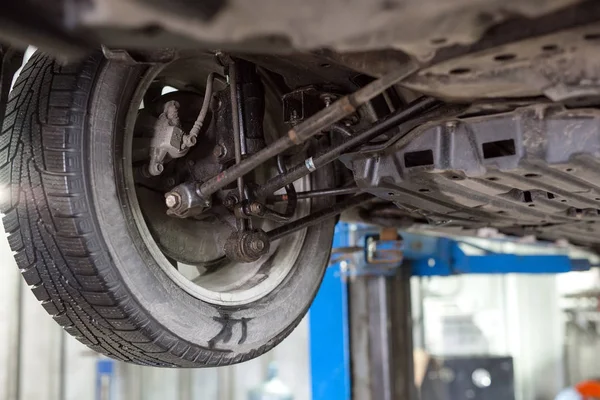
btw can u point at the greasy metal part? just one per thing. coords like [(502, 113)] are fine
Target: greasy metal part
[(314, 193), (302, 103), (183, 201), (301, 70), (334, 152), (344, 130), (305, 130), (218, 148), (167, 138), (247, 246), (236, 119), (418, 28), (256, 209), (271, 83), (290, 190), (251, 100), (236, 123), (387, 214), (189, 139), (562, 65), (530, 171), (133, 57), (318, 216), (172, 200)]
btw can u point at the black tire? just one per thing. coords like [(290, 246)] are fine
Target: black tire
[(77, 246)]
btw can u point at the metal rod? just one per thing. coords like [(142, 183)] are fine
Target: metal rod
[(334, 152), (237, 133), (307, 129), (309, 194), (240, 113), (319, 216), (290, 190)]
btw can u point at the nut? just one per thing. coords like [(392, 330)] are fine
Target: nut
[(172, 200), (255, 208), (230, 201), (257, 244)]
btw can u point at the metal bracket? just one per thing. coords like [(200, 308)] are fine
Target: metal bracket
[(368, 254), (383, 252), (159, 56)]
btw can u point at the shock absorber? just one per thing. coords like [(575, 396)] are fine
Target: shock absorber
[(251, 107)]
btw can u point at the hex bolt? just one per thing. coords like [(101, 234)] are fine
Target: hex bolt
[(257, 244), (220, 151), (294, 115), (230, 201), (351, 121), (172, 200)]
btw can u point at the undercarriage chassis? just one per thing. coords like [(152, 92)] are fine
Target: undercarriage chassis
[(534, 170)]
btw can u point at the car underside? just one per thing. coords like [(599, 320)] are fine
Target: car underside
[(181, 164)]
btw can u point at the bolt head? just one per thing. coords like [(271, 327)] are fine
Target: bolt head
[(172, 200), (219, 151), (229, 201), (257, 244)]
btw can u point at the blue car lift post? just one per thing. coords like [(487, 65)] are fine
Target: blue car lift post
[(360, 321)]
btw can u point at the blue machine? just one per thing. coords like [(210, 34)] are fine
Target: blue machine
[(358, 251), (329, 334)]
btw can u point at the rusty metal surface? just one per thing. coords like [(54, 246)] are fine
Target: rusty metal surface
[(535, 170), (417, 27), (341, 25), (563, 65)]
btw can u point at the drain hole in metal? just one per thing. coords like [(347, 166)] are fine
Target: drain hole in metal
[(418, 158), (500, 148)]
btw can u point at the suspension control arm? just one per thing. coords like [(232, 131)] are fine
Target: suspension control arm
[(334, 152), (307, 129), (314, 193), (319, 216)]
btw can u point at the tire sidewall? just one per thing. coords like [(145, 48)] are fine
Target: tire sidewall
[(235, 330)]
